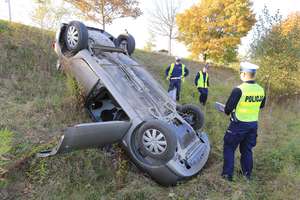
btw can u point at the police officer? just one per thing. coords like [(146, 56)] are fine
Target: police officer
[(176, 73), (202, 84), (244, 105)]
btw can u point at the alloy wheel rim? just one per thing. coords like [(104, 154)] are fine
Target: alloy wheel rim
[(72, 37), (154, 141)]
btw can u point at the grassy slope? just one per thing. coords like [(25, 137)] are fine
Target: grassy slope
[(36, 104)]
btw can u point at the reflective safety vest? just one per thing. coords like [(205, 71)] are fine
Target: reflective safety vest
[(201, 83), (172, 68), (248, 107)]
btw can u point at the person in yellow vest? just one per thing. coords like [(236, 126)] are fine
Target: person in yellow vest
[(176, 73), (202, 84), (243, 105)]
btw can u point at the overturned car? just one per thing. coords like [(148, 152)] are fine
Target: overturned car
[(128, 106)]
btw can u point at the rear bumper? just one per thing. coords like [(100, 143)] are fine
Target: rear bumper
[(194, 159)]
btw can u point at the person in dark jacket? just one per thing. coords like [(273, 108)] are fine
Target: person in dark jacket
[(243, 105), (176, 73), (202, 84)]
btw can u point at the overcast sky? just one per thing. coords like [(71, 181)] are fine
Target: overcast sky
[(22, 9)]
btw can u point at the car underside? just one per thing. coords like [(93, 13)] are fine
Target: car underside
[(127, 105)]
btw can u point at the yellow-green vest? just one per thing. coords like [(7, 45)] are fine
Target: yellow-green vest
[(201, 83), (248, 107), (172, 68)]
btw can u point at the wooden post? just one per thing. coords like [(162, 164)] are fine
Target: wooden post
[(9, 9)]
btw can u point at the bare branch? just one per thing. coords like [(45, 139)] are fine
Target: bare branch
[(105, 11), (163, 19)]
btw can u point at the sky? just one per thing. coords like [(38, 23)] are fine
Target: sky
[(22, 11)]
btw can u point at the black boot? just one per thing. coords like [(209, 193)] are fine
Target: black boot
[(227, 177)]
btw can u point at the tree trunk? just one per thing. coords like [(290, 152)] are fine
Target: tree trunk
[(102, 14), (103, 25), (170, 40), (170, 45)]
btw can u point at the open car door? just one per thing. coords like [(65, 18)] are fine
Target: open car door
[(89, 135)]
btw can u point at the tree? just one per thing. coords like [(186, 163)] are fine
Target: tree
[(163, 19), (150, 44), (214, 27), (291, 23), (105, 11), (40, 14), (46, 15), (276, 48)]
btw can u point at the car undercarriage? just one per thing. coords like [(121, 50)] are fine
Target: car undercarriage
[(128, 106)]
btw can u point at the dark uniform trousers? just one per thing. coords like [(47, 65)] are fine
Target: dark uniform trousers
[(175, 83), (243, 134), (203, 95)]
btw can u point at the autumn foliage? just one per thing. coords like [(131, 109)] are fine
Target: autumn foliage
[(293, 21), (105, 11), (276, 48), (214, 27)]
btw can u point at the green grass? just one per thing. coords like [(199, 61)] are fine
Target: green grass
[(5, 146), (5, 141), (37, 102)]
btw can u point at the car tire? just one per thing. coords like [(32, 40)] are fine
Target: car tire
[(156, 140), (130, 42), (193, 115), (178, 108), (76, 37)]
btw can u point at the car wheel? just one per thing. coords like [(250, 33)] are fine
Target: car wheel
[(126, 41), (178, 108), (76, 37), (156, 140), (193, 115)]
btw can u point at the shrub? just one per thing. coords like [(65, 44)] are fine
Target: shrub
[(276, 49)]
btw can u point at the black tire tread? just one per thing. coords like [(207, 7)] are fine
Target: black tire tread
[(199, 115), (130, 42)]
